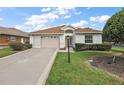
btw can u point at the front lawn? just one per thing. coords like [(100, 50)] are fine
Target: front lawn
[(121, 49), (6, 52), (79, 71)]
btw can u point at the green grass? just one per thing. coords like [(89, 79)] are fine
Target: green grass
[(5, 52), (79, 72), (118, 49)]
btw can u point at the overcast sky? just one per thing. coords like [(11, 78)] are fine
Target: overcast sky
[(35, 18)]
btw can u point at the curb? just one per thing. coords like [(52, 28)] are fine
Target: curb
[(46, 71)]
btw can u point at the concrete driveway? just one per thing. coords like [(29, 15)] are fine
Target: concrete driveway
[(27, 67)]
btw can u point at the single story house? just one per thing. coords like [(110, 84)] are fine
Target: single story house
[(8, 35), (56, 37)]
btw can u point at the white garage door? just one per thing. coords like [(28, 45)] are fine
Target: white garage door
[(50, 42)]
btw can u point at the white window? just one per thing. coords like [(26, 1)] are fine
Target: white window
[(12, 38), (88, 39)]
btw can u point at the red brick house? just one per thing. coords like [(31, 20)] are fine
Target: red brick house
[(8, 35)]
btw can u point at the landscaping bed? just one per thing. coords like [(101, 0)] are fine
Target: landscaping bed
[(116, 68)]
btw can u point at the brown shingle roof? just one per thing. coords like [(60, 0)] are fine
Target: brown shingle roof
[(59, 30), (13, 31), (50, 30), (87, 30)]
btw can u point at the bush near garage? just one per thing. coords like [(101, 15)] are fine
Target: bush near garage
[(27, 46), (103, 47), (19, 46)]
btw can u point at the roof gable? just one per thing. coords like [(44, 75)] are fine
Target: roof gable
[(67, 27)]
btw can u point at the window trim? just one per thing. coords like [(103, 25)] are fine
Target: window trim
[(12, 38), (88, 40)]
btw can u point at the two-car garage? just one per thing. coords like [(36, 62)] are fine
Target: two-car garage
[(45, 41), (50, 42)]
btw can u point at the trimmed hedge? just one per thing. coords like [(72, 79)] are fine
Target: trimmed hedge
[(104, 47), (19, 46)]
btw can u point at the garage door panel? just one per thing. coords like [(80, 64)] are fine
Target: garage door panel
[(36, 42), (50, 42)]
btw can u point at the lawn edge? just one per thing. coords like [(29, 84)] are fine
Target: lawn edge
[(44, 76)]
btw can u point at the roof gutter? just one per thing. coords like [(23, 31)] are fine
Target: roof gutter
[(45, 33), (14, 35), (89, 32)]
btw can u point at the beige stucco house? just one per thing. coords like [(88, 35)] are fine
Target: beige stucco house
[(56, 37)]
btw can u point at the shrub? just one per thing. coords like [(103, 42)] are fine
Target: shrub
[(16, 46), (80, 47), (27, 46), (19, 46)]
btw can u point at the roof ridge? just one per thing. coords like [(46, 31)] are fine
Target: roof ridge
[(13, 31), (17, 29), (48, 28)]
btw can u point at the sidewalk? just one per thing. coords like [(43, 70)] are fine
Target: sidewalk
[(66, 50)]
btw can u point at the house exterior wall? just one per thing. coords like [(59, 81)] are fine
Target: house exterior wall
[(18, 39), (24, 40), (5, 39), (73, 40), (62, 41), (21, 39), (76, 38), (80, 38), (31, 39), (97, 39)]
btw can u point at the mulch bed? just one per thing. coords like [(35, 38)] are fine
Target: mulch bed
[(116, 68)]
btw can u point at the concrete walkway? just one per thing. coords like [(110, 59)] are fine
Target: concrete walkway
[(27, 67), (66, 50)]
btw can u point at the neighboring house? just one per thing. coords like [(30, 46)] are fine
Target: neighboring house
[(8, 35), (56, 37)]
